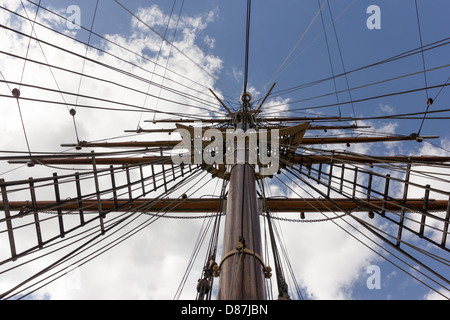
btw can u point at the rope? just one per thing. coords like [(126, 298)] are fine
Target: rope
[(277, 73), (168, 59), (29, 41), (16, 94), (171, 43), (329, 58), (343, 64), (247, 44)]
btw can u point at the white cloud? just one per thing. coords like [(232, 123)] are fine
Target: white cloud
[(132, 270), (387, 109), (238, 75), (210, 42), (150, 265), (432, 295), (327, 260)]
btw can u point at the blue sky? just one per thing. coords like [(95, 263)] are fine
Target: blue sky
[(215, 30), (276, 28)]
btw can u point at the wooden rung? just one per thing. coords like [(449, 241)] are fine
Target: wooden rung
[(446, 223), (58, 204), (173, 172), (369, 186), (36, 214), (130, 192), (154, 178), (386, 194), (424, 210), (142, 181), (113, 185), (355, 181), (330, 178), (342, 178), (12, 244), (320, 172), (405, 197), (79, 198), (97, 191), (164, 178)]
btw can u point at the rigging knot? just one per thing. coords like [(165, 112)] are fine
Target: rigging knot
[(216, 270), (240, 246), (268, 272)]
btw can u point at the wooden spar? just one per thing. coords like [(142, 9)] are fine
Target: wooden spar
[(242, 270), (265, 98), (305, 141), (210, 205), (273, 119), (316, 128), (297, 159), (221, 102)]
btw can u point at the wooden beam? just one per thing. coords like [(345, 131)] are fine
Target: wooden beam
[(317, 128), (305, 141), (298, 159), (211, 205), (221, 102)]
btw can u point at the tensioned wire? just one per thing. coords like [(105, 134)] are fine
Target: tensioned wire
[(363, 99), (53, 243), (356, 88), (362, 201), (278, 71), (156, 62), (150, 83), (329, 118), (116, 69), (29, 43), (277, 232), (33, 24), (381, 175), (371, 240), (430, 46), (315, 39), (329, 58), (96, 227), (159, 177), (171, 43), (111, 42), (86, 53), (212, 245), (170, 52), (118, 241), (342, 60), (92, 77)]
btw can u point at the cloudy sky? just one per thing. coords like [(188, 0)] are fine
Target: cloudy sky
[(204, 50)]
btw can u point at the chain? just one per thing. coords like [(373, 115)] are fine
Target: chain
[(305, 221), (222, 214)]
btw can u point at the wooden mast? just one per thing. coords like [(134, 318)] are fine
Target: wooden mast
[(242, 268)]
